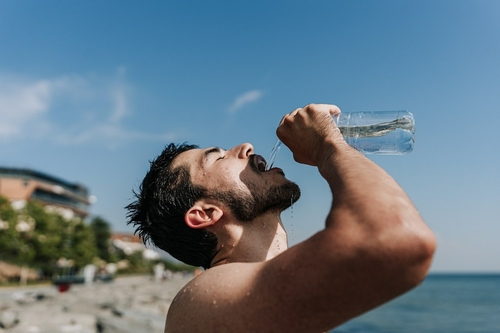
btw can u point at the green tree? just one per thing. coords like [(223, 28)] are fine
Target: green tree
[(48, 235), (15, 235), (9, 237), (102, 234), (48, 238), (82, 249)]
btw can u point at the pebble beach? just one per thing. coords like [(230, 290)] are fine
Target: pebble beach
[(126, 304)]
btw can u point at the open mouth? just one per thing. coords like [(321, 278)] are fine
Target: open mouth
[(259, 163)]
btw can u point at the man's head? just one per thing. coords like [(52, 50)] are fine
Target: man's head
[(185, 178)]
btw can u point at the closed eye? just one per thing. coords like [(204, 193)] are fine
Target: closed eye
[(209, 152)]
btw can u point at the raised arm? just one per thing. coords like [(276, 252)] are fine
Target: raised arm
[(375, 246)]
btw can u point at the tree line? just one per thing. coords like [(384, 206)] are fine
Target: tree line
[(37, 238)]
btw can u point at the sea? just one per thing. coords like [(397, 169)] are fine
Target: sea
[(443, 303)]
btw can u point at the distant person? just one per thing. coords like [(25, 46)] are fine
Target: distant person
[(220, 210)]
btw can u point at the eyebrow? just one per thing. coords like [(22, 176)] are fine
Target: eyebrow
[(207, 153)]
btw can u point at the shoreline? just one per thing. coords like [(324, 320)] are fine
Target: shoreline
[(50, 283), (127, 304)]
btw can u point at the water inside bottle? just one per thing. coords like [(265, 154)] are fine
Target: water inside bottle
[(395, 137), (375, 130), (272, 156)]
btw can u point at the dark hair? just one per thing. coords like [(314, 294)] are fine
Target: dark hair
[(164, 197)]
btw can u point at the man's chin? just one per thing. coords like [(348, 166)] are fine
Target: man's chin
[(289, 194)]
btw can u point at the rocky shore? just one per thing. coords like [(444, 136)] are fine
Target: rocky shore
[(127, 304)]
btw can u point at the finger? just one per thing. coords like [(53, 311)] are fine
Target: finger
[(334, 110), (331, 109), (291, 114), (294, 112)]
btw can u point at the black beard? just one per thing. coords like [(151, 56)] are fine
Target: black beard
[(246, 207)]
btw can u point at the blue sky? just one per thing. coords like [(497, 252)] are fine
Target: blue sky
[(91, 90)]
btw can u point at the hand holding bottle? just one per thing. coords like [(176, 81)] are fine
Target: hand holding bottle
[(370, 132), (306, 130)]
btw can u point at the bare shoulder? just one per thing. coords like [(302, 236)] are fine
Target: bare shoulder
[(209, 301), (293, 292), (282, 294)]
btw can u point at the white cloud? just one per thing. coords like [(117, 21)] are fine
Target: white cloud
[(244, 99), (68, 110), (120, 105), (21, 104), (119, 92)]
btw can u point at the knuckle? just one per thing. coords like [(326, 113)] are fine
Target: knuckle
[(288, 121)]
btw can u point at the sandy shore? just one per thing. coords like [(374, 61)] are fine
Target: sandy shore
[(128, 304)]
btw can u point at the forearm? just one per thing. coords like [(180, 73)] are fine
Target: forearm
[(361, 186), (372, 214)]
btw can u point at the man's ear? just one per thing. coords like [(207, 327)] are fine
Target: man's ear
[(202, 215)]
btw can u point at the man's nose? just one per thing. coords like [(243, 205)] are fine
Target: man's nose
[(244, 150)]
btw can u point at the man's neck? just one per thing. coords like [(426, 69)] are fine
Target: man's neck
[(254, 241)]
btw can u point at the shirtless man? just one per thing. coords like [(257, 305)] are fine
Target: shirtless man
[(218, 209)]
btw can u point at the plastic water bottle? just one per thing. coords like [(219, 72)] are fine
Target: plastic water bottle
[(378, 132), (372, 132)]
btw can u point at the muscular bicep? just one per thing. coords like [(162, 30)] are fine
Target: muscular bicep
[(335, 276)]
